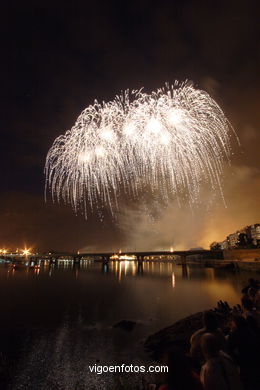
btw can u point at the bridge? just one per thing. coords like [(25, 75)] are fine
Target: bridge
[(140, 256)]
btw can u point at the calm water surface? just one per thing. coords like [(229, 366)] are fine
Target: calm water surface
[(57, 320)]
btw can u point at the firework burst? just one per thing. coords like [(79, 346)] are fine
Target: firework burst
[(170, 140)]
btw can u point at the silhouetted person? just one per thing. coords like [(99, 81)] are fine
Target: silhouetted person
[(251, 293), (251, 315), (251, 283), (180, 375), (254, 296), (219, 372), (210, 325), (243, 346)]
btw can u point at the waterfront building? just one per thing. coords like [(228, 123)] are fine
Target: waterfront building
[(245, 237), (223, 245), (232, 239), (253, 233)]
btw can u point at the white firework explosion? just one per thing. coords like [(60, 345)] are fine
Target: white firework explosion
[(170, 140)]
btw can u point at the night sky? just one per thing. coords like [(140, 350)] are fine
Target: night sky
[(57, 57)]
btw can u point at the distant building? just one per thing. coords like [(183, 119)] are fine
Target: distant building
[(232, 240), (223, 245), (253, 233), (247, 237)]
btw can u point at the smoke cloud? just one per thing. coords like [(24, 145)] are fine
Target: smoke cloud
[(183, 227)]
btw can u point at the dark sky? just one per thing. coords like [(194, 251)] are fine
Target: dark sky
[(57, 57)]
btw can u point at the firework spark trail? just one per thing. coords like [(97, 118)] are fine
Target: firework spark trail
[(170, 140)]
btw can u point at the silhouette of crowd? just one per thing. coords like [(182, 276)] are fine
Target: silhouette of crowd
[(224, 354)]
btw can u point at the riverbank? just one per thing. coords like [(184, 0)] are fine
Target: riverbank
[(231, 264), (243, 259), (234, 337), (178, 335), (237, 259), (58, 320)]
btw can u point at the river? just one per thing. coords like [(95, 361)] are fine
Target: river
[(57, 320)]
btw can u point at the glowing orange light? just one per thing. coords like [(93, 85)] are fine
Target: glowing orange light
[(173, 280), (26, 252)]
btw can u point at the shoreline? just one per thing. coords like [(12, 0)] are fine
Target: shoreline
[(178, 334), (236, 265)]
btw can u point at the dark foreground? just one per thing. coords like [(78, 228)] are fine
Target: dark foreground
[(57, 321)]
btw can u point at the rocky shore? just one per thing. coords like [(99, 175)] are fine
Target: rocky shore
[(178, 334)]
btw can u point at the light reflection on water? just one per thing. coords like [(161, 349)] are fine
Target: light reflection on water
[(64, 314), (140, 284)]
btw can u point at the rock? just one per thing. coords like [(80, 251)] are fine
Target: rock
[(177, 335), (126, 325)]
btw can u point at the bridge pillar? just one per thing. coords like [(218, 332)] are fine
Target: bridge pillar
[(140, 268), (140, 258), (53, 260), (105, 267), (76, 259), (105, 259), (184, 271), (183, 259)]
